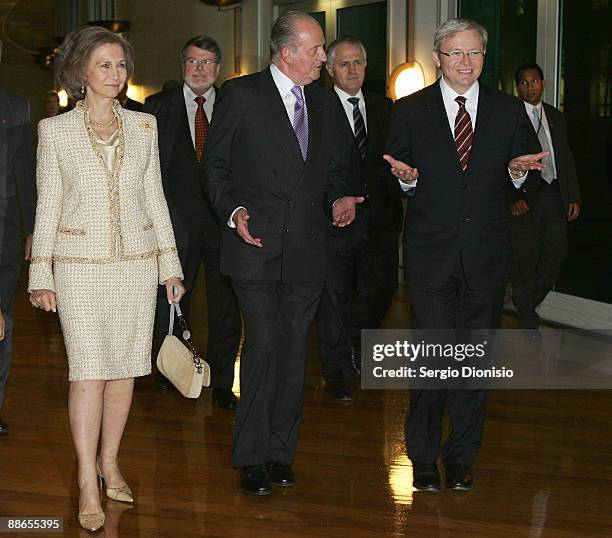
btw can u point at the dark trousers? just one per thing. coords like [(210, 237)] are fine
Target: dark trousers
[(360, 284), (10, 262), (539, 246), (277, 318), (453, 306), (224, 323)]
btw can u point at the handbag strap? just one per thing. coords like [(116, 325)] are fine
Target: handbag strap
[(176, 308)]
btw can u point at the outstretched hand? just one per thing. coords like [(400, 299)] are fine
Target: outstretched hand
[(344, 210), (401, 170), (524, 163)]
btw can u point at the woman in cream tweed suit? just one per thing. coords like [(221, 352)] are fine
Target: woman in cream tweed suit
[(102, 242)]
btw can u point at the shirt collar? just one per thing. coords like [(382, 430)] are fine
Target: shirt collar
[(530, 107), (345, 96), (190, 95), (449, 93), (282, 81)]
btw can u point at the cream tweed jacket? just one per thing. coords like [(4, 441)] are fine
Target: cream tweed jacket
[(84, 213)]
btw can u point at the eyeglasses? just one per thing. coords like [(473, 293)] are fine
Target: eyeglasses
[(193, 63), (459, 54)]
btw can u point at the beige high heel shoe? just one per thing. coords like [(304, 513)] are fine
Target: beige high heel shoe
[(123, 494), (91, 522)]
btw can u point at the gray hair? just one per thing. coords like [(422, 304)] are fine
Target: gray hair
[(348, 40), (284, 33), (205, 43), (452, 26)]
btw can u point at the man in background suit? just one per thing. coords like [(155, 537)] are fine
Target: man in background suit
[(183, 115), (362, 258), (274, 176), (539, 226), (17, 209), (455, 143)]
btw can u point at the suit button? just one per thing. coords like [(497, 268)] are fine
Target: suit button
[(286, 230), (465, 186), (464, 219), (289, 202)]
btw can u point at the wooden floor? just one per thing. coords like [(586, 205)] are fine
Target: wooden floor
[(545, 468)]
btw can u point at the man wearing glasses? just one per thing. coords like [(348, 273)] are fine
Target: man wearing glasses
[(454, 146), (183, 116)]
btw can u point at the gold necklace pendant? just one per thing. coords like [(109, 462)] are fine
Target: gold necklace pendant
[(102, 125)]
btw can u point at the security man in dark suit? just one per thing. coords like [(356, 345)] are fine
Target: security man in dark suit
[(274, 176), (362, 260), (539, 226), (454, 146), (17, 209), (183, 116)]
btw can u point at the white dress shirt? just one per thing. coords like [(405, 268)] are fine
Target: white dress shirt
[(283, 85), (541, 114), (192, 106), (452, 108), (348, 107)]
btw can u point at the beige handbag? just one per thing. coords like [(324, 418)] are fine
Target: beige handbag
[(181, 364)]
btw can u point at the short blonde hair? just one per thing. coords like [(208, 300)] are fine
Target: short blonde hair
[(75, 52)]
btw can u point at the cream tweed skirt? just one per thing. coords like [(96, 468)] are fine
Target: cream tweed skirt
[(107, 312)]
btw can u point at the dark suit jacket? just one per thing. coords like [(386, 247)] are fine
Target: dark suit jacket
[(17, 170), (455, 215), (371, 177), (564, 164), (252, 159), (192, 216)]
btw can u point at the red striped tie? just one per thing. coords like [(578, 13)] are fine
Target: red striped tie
[(463, 133)]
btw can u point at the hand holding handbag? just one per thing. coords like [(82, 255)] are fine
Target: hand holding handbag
[(181, 364)]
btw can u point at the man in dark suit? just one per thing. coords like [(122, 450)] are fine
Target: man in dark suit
[(456, 142), (273, 174), (539, 226), (17, 209), (362, 258), (183, 115)]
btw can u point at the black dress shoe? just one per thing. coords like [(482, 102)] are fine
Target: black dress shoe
[(254, 480), (339, 387), (162, 382), (280, 474), (3, 427), (425, 476), (459, 477), (225, 399)]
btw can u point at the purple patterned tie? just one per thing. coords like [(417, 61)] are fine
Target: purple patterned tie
[(300, 121)]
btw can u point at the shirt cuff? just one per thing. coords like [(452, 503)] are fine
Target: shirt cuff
[(230, 222), (517, 181), (407, 186)]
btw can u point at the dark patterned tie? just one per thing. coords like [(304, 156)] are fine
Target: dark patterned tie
[(361, 136), (201, 126), (464, 135), (300, 121)]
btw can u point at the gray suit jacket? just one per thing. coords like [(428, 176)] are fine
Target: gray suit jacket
[(17, 170)]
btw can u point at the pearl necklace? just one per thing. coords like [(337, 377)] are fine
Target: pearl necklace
[(102, 125)]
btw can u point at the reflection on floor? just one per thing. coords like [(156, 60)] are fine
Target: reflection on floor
[(544, 469)]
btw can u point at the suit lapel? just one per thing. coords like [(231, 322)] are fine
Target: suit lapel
[(315, 123), (481, 130), (276, 116), (551, 124), (438, 111)]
